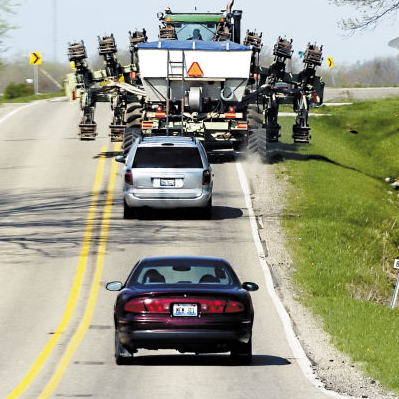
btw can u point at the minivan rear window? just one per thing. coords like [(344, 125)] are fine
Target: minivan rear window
[(167, 157)]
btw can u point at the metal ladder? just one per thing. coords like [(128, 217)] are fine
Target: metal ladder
[(170, 75)]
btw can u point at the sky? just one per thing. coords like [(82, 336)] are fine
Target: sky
[(302, 20)]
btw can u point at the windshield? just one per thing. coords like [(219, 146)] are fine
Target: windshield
[(195, 31)]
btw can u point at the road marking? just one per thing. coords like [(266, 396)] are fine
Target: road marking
[(297, 350), (10, 114), (91, 302), (74, 293)]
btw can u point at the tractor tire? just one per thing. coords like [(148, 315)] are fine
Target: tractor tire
[(130, 136), (253, 142), (131, 107), (255, 118), (134, 115), (262, 144), (255, 123)]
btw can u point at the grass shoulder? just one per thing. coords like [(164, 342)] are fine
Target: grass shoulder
[(344, 234), (30, 98)]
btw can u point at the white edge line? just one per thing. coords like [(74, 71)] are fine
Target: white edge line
[(297, 350), (13, 112)]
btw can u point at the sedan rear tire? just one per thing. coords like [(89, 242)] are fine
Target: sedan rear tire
[(242, 353), (122, 359)]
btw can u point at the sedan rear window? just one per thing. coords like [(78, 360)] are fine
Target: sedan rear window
[(182, 274), (167, 157)]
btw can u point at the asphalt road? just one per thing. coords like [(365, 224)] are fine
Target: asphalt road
[(62, 237)]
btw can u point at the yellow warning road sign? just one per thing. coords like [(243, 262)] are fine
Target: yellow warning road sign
[(330, 62), (36, 58)]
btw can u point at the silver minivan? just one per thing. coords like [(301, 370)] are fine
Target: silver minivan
[(167, 172)]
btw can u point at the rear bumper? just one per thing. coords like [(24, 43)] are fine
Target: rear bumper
[(168, 202), (185, 340)]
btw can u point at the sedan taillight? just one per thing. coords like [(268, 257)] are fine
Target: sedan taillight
[(161, 305), (164, 305), (212, 305), (135, 306), (129, 177), (234, 307), (206, 177)]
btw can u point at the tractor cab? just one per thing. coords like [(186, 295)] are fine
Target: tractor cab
[(193, 26), (195, 31), (201, 26)]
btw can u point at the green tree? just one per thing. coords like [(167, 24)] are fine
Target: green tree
[(16, 90), (371, 12)]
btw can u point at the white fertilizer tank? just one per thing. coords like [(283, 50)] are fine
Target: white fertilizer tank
[(220, 69)]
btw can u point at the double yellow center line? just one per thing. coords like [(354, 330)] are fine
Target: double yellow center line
[(75, 290)]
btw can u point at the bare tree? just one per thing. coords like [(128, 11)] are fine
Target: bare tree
[(6, 7), (371, 12)]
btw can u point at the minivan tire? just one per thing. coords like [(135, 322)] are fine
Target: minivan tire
[(128, 212), (206, 212)]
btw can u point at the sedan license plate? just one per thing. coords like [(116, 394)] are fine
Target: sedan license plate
[(167, 182), (185, 309)]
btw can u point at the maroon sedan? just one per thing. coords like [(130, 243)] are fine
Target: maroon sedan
[(188, 303)]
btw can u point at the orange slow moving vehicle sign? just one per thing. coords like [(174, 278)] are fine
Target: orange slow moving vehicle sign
[(195, 70)]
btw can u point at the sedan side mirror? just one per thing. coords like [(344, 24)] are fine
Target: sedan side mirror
[(120, 158), (114, 286), (250, 286)]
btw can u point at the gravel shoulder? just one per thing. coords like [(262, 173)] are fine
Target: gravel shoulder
[(335, 369)]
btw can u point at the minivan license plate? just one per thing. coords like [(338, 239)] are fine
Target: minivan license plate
[(167, 182), (185, 309)]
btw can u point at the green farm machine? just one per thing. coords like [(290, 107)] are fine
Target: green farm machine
[(200, 78)]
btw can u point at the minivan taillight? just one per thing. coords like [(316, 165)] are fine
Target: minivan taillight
[(129, 177), (206, 177)]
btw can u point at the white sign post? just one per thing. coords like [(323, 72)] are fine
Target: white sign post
[(36, 79), (395, 294)]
